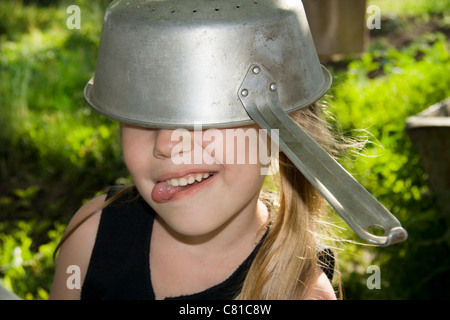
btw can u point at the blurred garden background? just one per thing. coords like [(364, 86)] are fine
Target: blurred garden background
[(55, 153)]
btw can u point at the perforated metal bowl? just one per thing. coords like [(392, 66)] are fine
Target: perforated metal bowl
[(223, 63), (172, 63)]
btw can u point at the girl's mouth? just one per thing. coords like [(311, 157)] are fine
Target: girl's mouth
[(164, 191)]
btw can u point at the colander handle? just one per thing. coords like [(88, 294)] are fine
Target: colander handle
[(357, 207)]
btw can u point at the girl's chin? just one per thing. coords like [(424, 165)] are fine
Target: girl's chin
[(189, 226)]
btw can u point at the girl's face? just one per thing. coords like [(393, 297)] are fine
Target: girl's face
[(194, 182)]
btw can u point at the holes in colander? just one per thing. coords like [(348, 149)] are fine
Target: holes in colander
[(215, 9)]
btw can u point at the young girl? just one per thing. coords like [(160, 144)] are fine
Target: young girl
[(214, 239), (199, 229)]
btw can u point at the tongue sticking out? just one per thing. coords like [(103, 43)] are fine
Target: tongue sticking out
[(163, 192)]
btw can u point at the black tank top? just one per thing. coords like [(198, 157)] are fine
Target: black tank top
[(119, 266)]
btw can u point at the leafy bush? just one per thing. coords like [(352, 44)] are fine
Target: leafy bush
[(28, 270), (377, 93), (54, 151)]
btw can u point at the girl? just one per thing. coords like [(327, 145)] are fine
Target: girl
[(198, 229), (214, 239)]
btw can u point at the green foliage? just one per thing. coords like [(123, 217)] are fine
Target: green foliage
[(377, 93), (54, 151), (46, 127), (412, 8), (26, 269), (381, 105)]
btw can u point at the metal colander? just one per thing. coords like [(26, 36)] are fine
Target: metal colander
[(223, 63), (172, 63)]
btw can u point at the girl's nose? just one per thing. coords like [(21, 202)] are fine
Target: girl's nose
[(168, 142)]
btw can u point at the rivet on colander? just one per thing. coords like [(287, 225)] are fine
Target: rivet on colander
[(244, 92), (273, 86), (256, 70)]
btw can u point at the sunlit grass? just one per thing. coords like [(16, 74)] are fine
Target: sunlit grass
[(412, 8)]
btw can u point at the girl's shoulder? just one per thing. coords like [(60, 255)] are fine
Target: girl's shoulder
[(322, 288), (75, 252)]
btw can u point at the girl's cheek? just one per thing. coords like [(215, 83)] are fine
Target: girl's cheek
[(132, 151)]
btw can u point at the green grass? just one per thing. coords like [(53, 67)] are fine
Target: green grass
[(408, 8)]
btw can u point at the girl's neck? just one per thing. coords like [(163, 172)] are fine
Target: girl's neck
[(242, 230), (184, 265)]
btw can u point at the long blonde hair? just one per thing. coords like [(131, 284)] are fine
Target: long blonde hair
[(287, 259)]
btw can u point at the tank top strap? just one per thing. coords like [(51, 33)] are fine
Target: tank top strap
[(119, 260)]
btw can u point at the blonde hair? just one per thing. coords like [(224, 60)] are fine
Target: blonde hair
[(287, 259)]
